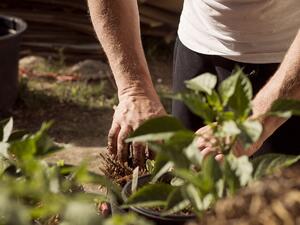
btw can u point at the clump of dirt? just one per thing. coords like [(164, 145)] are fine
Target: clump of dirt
[(274, 200)]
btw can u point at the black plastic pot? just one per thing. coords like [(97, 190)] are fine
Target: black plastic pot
[(10, 37), (151, 214)]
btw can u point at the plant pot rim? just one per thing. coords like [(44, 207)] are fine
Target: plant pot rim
[(151, 213), (22, 26)]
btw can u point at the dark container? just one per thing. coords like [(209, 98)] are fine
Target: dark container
[(10, 38), (151, 214)]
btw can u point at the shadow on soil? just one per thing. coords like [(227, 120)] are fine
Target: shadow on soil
[(73, 124)]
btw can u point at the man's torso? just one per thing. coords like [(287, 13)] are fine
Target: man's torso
[(253, 31)]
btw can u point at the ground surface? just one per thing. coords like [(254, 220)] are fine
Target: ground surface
[(274, 200), (80, 102)]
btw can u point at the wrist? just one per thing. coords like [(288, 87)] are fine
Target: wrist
[(137, 89)]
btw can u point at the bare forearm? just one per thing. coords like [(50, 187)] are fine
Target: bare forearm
[(117, 26), (285, 84)]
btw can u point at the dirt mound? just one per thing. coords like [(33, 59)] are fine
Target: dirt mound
[(273, 201)]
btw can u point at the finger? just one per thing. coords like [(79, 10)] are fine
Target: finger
[(122, 146), (203, 130), (105, 209), (208, 151), (113, 139), (139, 154), (202, 143), (219, 157)]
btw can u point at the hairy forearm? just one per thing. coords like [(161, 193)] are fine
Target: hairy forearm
[(117, 26), (285, 84)]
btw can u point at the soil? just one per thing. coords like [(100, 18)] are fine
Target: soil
[(274, 200)]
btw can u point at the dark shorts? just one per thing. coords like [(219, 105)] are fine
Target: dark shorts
[(188, 64)]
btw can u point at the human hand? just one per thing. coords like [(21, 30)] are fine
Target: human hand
[(208, 144), (131, 112)]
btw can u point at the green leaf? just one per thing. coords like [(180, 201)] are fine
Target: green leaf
[(251, 132), (242, 168), (2, 125), (194, 196), (177, 208), (150, 195), (197, 105), (4, 150), (285, 108), (215, 101), (173, 149), (227, 88), (44, 143), (156, 129), (134, 182), (4, 164), (189, 176), (174, 198), (199, 203), (160, 161), (230, 128), (193, 154), (269, 163), (231, 179), (7, 130), (150, 166), (236, 94), (210, 174), (203, 83), (165, 169), (151, 137)]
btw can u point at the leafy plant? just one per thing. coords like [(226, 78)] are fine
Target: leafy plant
[(199, 182), (35, 192)]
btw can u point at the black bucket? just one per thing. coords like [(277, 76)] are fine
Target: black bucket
[(10, 38), (151, 215)]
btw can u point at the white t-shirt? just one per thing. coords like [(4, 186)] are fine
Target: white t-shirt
[(251, 31)]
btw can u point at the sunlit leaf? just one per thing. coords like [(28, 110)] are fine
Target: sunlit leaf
[(269, 163), (165, 169), (228, 87), (174, 198), (215, 101), (134, 182), (210, 173), (285, 108), (189, 177), (193, 154), (197, 106), (232, 181), (7, 130), (236, 93), (203, 83), (230, 128), (194, 196), (173, 150), (242, 168), (178, 208), (150, 166), (251, 132), (150, 195), (156, 129)]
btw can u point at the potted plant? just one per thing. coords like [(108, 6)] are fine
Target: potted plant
[(10, 37), (197, 182)]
